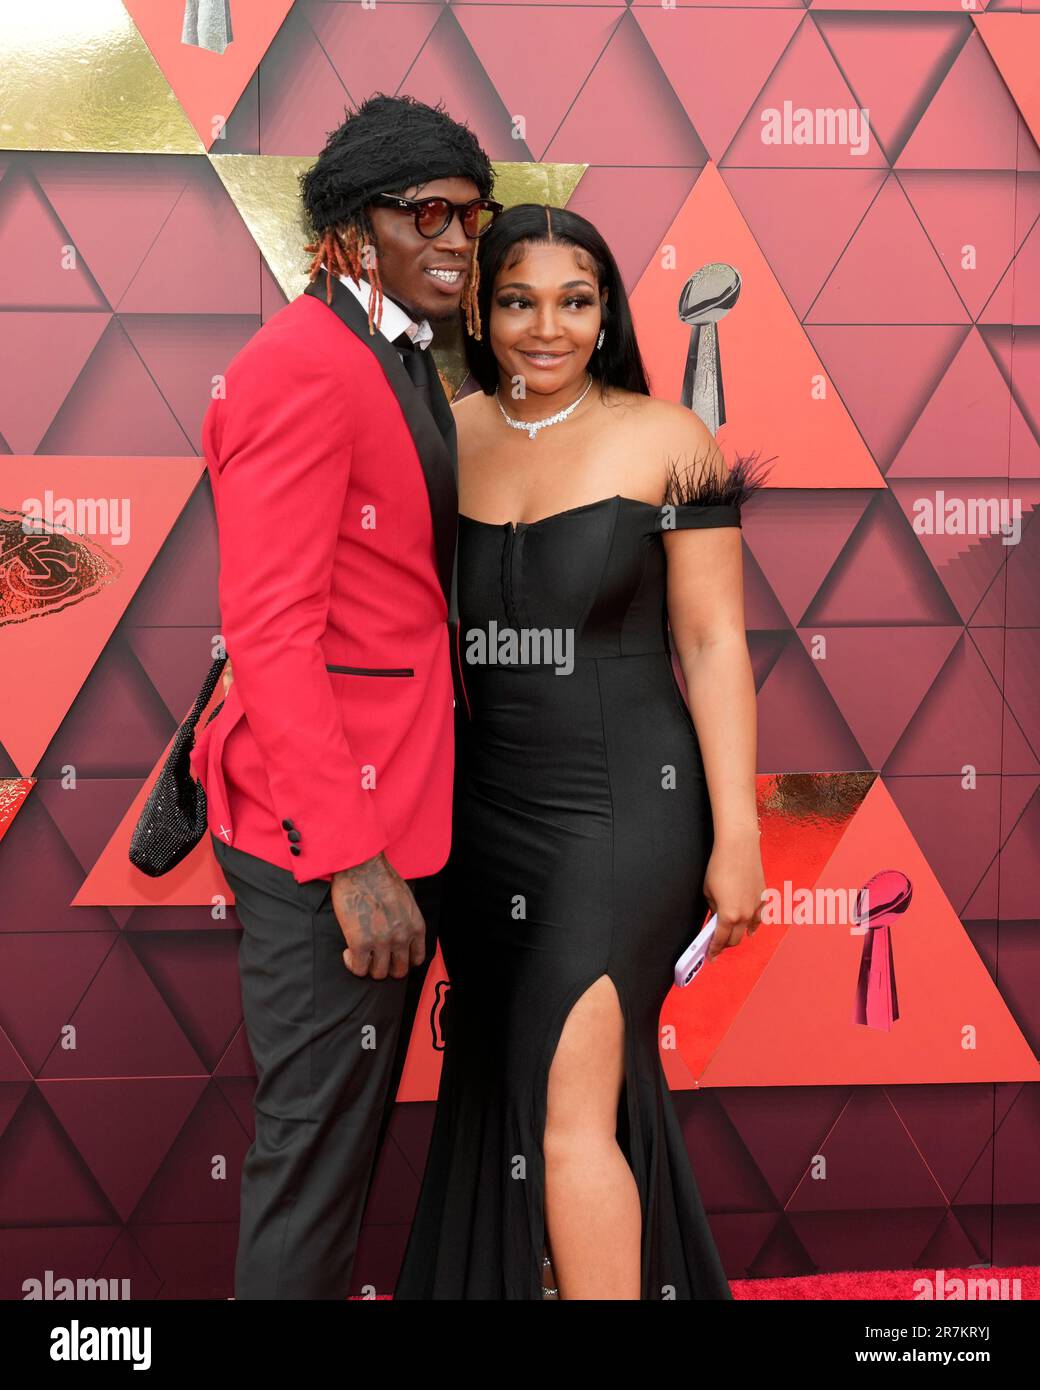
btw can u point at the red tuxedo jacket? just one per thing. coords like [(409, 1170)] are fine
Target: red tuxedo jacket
[(335, 489)]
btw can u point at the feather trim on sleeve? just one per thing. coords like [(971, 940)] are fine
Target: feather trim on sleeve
[(714, 488)]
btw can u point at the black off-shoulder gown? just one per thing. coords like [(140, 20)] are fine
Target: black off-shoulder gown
[(581, 833)]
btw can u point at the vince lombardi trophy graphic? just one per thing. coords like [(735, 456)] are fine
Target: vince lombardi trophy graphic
[(708, 296), (207, 24)]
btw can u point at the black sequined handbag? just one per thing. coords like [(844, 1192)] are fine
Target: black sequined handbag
[(173, 820)]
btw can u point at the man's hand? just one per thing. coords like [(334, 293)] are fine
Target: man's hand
[(377, 914), (380, 920)]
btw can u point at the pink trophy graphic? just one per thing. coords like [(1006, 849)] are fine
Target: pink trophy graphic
[(881, 899)]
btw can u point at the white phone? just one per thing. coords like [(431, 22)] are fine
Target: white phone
[(692, 959)]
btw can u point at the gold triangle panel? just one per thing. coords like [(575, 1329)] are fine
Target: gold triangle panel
[(266, 191), (77, 75)]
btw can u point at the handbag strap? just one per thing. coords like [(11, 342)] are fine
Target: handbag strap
[(203, 698)]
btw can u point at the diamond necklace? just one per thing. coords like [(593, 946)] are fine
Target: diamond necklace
[(533, 426)]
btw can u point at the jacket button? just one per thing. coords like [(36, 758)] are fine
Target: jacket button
[(294, 835), (293, 849), (287, 825)]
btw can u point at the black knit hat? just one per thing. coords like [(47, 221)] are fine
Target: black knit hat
[(386, 145)]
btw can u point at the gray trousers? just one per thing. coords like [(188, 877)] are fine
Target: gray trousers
[(329, 1048)]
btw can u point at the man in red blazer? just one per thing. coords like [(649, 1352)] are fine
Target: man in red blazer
[(328, 769)]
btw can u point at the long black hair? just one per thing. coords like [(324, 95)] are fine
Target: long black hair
[(617, 362)]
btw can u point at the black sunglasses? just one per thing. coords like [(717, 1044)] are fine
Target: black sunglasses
[(433, 215)]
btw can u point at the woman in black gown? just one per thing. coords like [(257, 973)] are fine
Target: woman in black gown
[(583, 826)]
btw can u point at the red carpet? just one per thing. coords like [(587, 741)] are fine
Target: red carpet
[(895, 1284)]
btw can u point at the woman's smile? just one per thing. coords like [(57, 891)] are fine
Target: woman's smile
[(541, 357)]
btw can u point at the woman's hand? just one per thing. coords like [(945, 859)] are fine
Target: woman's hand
[(226, 676), (734, 885)]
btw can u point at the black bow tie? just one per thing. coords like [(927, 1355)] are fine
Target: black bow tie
[(414, 364)]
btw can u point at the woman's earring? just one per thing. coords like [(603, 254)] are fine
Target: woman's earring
[(599, 340)]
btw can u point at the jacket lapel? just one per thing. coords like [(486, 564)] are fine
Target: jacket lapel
[(433, 433)]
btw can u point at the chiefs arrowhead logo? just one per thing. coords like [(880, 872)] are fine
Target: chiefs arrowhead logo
[(45, 568)]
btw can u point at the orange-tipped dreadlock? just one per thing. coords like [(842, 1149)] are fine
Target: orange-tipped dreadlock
[(343, 254), (469, 295)]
